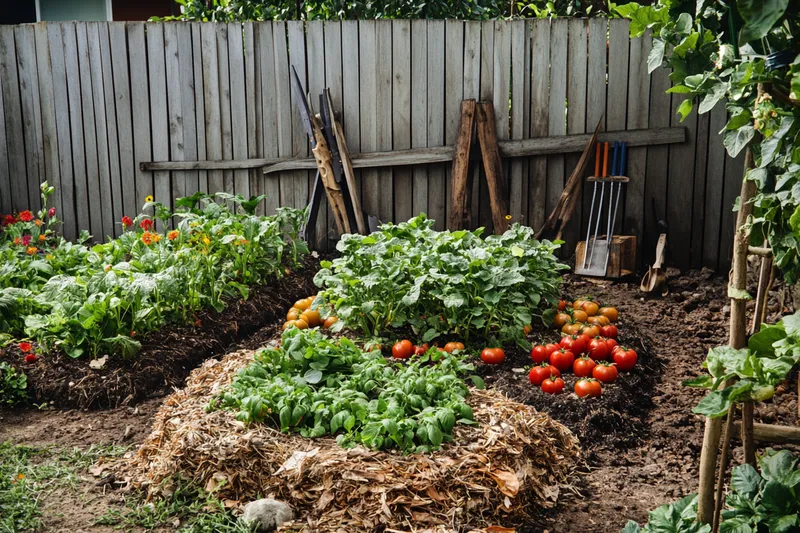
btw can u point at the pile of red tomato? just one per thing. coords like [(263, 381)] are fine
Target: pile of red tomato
[(588, 348), (404, 349)]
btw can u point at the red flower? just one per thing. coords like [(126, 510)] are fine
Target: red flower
[(146, 224), (26, 240), (10, 219), (25, 346), (51, 212), (127, 222), (26, 216), (30, 358)]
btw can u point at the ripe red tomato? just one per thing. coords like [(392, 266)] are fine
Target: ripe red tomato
[(605, 373), (541, 372), (493, 356), (562, 359), (598, 349), (539, 354), (450, 347), (609, 331), (612, 343), (30, 358), (588, 387), (421, 350), (624, 358), (583, 367), (402, 349), (562, 305), (553, 385), (576, 344)]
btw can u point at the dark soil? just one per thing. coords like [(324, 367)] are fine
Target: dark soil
[(167, 356)]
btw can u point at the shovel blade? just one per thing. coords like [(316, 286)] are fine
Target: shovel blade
[(595, 263)]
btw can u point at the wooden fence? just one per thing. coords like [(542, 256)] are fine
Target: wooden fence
[(83, 104)]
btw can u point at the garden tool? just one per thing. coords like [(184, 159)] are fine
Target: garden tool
[(655, 278)]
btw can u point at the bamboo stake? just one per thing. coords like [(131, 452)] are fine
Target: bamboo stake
[(723, 466), (748, 440), (737, 339)]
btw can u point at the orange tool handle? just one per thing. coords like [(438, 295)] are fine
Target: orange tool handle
[(597, 161), (605, 160)]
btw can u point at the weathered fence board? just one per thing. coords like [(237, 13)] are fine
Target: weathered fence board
[(84, 104)]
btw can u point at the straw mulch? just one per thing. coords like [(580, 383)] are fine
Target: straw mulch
[(499, 471)]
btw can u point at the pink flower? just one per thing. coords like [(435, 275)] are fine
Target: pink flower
[(26, 240), (51, 212)]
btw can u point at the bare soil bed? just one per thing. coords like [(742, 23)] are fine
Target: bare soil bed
[(641, 442)]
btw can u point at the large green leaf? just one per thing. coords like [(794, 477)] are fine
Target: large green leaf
[(745, 480), (736, 140), (759, 17), (761, 343)]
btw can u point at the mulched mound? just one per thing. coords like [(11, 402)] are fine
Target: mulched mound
[(616, 419), (167, 356), (500, 470)]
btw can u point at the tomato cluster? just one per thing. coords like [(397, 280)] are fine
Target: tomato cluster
[(588, 348), (404, 349), (302, 316)]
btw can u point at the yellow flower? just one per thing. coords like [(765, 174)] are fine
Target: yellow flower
[(148, 198), (508, 217), (48, 256), (206, 241), (242, 242), (20, 477), (31, 250), (156, 237), (172, 235)]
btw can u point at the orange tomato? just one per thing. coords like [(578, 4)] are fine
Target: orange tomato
[(610, 313), (526, 329), (302, 305), (287, 324), (561, 319), (300, 324), (293, 314), (450, 347), (598, 320), (331, 320), (590, 308), (591, 331), (572, 328), (311, 316), (579, 316)]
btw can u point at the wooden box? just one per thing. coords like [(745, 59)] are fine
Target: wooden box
[(621, 261)]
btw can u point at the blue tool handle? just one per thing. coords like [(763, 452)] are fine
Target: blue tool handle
[(623, 164), (615, 160)]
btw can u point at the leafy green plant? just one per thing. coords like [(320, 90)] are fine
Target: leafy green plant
[(441, 282), (316, 386), (12, 385), (723, 51), (765, 501), (754, 371)]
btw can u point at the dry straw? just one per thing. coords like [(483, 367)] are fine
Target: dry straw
[(498, 471)]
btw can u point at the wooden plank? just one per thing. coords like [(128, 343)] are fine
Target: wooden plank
[(211, 104), (383, 116), (638, 113), (419, 111), (520, 42), (285, 108), (367, 44), (557, 124), (540, 119), (771, 433), (655, 188), (315, 55), (52, 169), (101, 123), (332, 31), (454, 92), (122, 97), (189, 181), (111, 128), (715, 178), (460, 214), (698, 196), (238, 96), (300, 145), (13, 118), (680, 188), (271, 185), (596, 92), (69, 44), (401, 115), (93, 205), (175, 117), (31, 112), (493, 166), (225, 124), (437, 194), (199, 100), (253, 139), (5, 178), (616, 106), (484, 208), (156, 67), (472, 89), (576, 114), (501, 92)]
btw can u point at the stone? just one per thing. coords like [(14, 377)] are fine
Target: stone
[(267, 514)]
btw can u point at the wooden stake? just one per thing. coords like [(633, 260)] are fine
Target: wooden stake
[(461, 182), (773, 434), (737, 339), (322, 154), (748, 440), (350, 178), (493, 166), (723, 466)]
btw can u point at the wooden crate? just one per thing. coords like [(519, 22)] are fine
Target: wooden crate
[(621, 262)]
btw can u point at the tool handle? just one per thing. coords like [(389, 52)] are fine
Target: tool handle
[(623, 163), (615, 159), (597, 161), (605, 159), (662, 243)]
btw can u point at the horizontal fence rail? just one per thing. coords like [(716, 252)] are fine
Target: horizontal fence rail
[(106, 110)]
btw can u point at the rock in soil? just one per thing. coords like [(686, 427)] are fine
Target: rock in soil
[(267, 513)]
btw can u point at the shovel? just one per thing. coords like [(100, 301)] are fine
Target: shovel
[(655, 278)]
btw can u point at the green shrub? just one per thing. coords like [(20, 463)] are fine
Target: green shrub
[(12, 385), (316, 386), (441, 282)]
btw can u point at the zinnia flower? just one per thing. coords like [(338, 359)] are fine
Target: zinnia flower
[(38, 222), (10, 219), (25, 347), (26, 240), (42, 237), (146, 224), (156, 237), (206, 241), (126, 222), (17, 241), (172, 235), (26, 216), (147, 238), (51, 212), (31, 250)]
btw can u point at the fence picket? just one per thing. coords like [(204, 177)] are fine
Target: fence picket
[(122, 97), (437, 195), (52, 169), (238, 106), (540, 119), (401, 114), (31, 111), (101, 122)]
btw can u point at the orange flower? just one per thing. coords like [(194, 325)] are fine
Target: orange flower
[(31, 250), (147, 238), (38, 222), (17, 241), (172, 235), (42, 238), (242, 242), (107, 268), (156, 237)]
